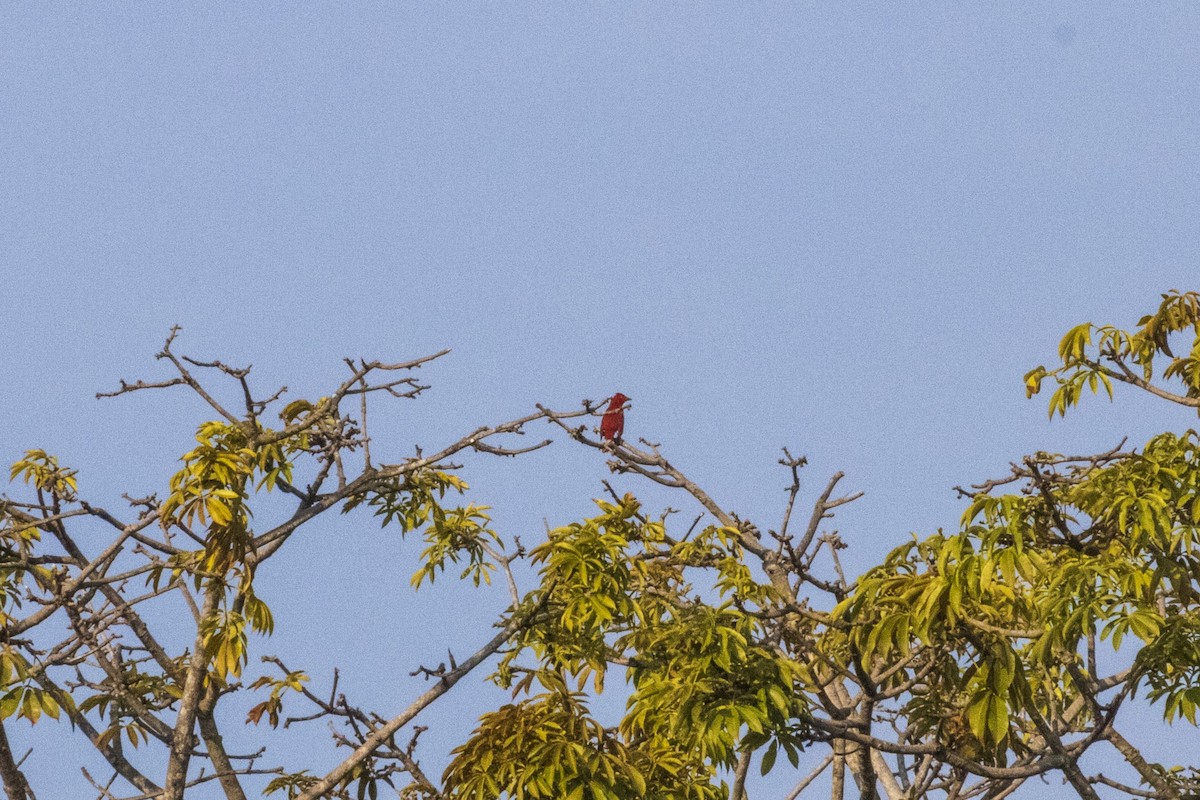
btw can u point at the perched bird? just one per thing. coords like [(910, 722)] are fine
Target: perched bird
[(612, 424)]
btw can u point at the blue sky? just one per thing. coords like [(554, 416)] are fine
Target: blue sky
[(845, 230)]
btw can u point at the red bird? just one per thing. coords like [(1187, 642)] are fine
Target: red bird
[(612, 424)]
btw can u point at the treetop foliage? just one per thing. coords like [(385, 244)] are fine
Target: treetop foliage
[(964, 665)]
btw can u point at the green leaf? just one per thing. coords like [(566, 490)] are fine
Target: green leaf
[(998, 719), (768, 759), (978, 715)]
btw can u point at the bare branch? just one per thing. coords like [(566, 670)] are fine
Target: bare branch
[(139, 385), (812, 776), (447, 681)]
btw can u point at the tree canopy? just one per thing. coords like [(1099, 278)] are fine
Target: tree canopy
[(965, 664)]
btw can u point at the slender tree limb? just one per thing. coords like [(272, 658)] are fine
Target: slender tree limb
[(444, 684), (193, 690), (739, 776), (808, 779), (14, 781), (1135, 759)]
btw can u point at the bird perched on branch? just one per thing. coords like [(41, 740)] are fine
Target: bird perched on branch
[(612, 424)]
